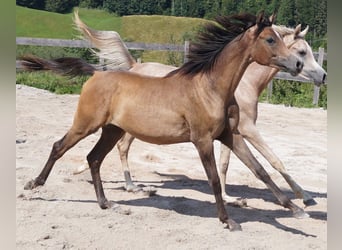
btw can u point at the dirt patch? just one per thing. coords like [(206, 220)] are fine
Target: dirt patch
[(63, 214)]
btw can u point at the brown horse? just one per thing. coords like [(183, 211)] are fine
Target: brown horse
[(255, 79), (190, 104)]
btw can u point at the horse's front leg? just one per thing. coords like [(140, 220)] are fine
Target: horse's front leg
[(223, 169), (233, 116), (206, 152), (123, 146)]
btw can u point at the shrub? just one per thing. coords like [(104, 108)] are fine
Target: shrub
[(51, 82)]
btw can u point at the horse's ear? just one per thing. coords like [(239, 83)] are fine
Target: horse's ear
[(260, 17), (273, 17), (260, 22), (297, 30), (303, 33)]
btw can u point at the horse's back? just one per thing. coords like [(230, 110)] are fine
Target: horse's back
[(152, 69)]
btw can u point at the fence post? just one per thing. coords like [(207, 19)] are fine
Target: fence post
[(102, 63), (186, 50), (316, 88), (269, 91)]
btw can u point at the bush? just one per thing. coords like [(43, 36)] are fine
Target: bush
[(34, 4), (59, 6), (51, 82), (294, 94), (55, 52)]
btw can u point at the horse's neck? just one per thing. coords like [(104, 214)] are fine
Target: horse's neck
[(258, 76), (230, 66)]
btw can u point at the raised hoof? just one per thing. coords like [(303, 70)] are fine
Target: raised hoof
[(31, 185), (81, 169), (300, 214), (310, 202), (233, 226)]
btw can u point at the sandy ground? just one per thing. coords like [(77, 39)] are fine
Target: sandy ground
[(63, 214)]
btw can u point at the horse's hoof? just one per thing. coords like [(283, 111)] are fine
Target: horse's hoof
[(30, 185), (132, 188), (238, 203), (300, 214), (106, 204), (233, 226), (310, 202), (81, 169), (149, 191), (235, 202)]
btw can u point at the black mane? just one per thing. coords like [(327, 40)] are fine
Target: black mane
[(215, 36)]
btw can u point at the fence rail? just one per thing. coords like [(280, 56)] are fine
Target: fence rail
[(320, 56), (86, 44)]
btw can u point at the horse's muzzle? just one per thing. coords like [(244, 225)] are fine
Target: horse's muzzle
[(298, 68)]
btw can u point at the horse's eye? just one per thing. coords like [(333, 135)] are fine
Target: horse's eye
[(302, 53), (270, 40)]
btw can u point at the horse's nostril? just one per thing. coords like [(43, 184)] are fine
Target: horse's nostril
[(324, 76), (299, 65)]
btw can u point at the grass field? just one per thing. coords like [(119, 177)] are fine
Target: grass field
[(149, 29), (139, 28), (37, 23)]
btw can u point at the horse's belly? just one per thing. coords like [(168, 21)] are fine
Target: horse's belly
[(158, 127)]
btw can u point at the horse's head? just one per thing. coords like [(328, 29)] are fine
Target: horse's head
[(296, 43), (269, 48)]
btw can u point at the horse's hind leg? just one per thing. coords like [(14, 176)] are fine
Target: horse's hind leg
[(58, 149), (109, 137), (239, 147), (123, 146), (253, 136)]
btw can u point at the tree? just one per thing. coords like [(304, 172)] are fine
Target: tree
[(148, 7), (305, 12), (286, 13), (91, 3), (320, 20), (229, 7), (117, 6), (34, 4), (59, 6), (253, 6)]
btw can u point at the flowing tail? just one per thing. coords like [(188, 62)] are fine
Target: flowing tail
[(108, 44), (66, 66)]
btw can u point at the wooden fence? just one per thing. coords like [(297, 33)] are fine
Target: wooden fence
[(320, 56)]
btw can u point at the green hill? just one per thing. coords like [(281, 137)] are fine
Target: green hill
[(149, 29), (37, 23), (158, 29)]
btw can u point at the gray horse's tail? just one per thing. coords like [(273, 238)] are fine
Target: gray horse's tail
[(109, 46), (66, 66)]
